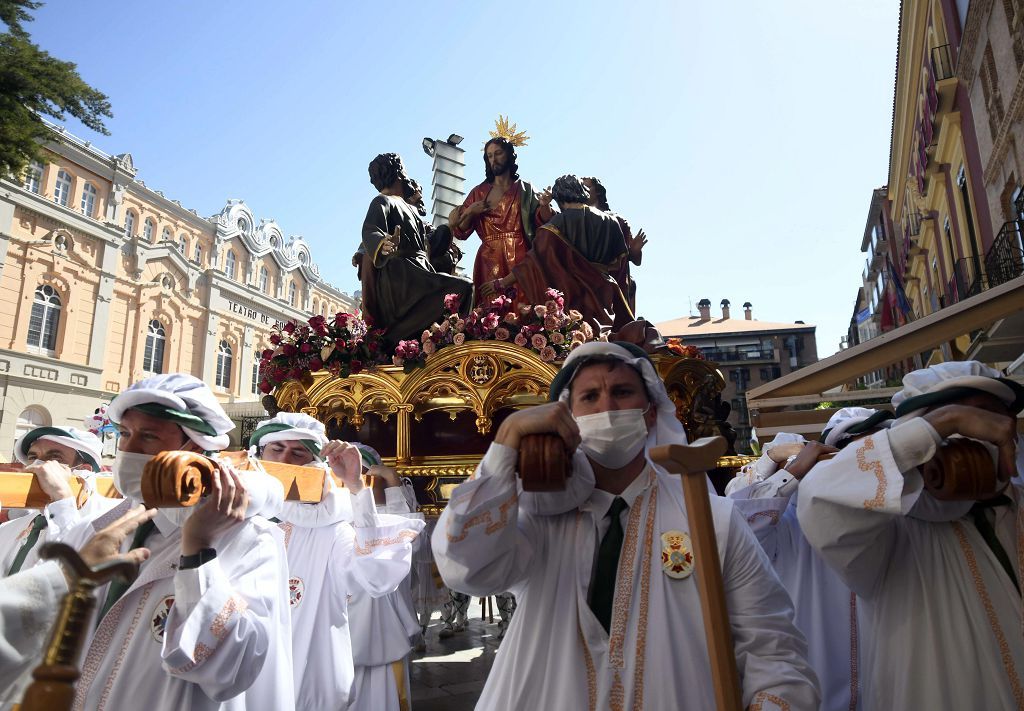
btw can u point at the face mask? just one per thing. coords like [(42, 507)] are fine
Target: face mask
[(613, 439), (128, 473), (177, 516)]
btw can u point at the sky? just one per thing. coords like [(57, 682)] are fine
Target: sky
[(745, 138)]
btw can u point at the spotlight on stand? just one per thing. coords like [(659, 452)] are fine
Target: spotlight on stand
[(428, 146), (455, 139)]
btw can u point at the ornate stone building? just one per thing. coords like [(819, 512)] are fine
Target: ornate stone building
[(105, 281)]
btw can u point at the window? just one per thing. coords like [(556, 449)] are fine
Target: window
[(256, 373), (62, 189), (264, 280), (224, 365), (291, 293), (129, 224), (148, 229), (197, 256), (31, 418), (42, 324), (153, 357), (89, 200), (229, 264), (182, 242), (166, 235), (34, 177)]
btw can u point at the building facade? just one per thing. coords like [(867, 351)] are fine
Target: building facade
[(105, 281), (748, 353)]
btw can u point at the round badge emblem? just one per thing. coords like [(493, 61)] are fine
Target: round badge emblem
[(676, 554), (158, 622), (296, 590)]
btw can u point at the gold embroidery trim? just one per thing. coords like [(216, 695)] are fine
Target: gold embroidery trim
[(772, 516), (854, 654), (645, 589), (990, 612), (867, 445), (484, 517), (218, 629), (378, 542), (762, 696)]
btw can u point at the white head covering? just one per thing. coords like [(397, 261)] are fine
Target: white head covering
[(922, 388), (85, 443), (369, 455), (182, 399), (668, 429), (286, 426), (841, 422)]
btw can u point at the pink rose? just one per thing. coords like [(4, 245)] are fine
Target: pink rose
[(540, 310), (511, 318), (557, 338), (525, 309), (551, 306), (459, 339), (398, 360), (460, 325), (538, 341), (575, 344), (551, 322), (575, 316), (547, 354), (444, 326), (426, 336), (429, 347), (520, 340), (578, 337), (502, 334), (452, 302), (587, 330)]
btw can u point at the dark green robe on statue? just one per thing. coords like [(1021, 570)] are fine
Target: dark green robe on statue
[(408, 294)]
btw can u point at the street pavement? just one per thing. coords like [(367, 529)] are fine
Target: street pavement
[(450, 675)]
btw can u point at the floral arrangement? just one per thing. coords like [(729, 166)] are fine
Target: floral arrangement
[(676, 345), (547, 329), (343, 346)]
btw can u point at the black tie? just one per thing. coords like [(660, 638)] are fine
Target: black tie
[(603, 593), (988, 532), (38, 524), (118, 587)]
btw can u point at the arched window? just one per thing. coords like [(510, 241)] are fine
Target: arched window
[(129, 224), (197, 255), (89, 200), (148, 229), (229, 264), (34, 177), (167, 235), (291, 293), (62, 189), (153, 357), (224, 365), (182, 242), (42, 324), (31, 418), (264, 280)]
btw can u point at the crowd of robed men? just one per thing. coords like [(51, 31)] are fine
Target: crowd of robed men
[(848, 585)]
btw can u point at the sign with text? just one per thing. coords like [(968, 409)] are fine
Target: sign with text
[(252, 314)]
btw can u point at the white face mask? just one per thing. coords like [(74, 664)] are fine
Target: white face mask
[(128, 473), (613, 439)]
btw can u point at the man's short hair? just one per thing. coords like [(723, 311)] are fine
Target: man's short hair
[(569, 188), (612, 362), (385, 169)]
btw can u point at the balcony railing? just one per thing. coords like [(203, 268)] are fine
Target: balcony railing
[(967, 279), (1005, 260), (942, 63)]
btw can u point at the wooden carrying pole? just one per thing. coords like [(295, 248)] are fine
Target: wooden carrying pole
[(692, 462), (20, 490)]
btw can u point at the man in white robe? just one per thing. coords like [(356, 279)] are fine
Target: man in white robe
[(826, 609), (206, 625), (337, 549), (54, 455), (383, 628), (586, 636), (940, 600)]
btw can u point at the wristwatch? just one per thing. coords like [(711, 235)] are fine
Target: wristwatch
[(205, 555)]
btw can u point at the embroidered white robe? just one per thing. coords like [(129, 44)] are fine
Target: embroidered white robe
[(29, 602), (826, 609), (943, 613), (327, 564), (556, 655), (217, 637), (383, 627)]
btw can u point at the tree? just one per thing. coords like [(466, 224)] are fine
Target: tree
[(32, 83)]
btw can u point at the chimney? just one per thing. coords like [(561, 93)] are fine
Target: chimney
[(725, 308), (746, 311), (704, 307)]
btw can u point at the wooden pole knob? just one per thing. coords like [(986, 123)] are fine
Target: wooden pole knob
[(545, 463), (961, 470), (176, 479)]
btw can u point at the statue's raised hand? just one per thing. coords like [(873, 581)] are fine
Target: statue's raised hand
[(635, 245), (390, 244)]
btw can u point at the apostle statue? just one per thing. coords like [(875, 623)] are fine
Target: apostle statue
[(576, 253), (407, 292), (634, 244), (504, 210)]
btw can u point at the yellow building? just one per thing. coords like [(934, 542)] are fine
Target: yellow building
[(105, 281)]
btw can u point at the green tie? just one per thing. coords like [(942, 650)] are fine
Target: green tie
[(988, 532), (118, 587), (38, 524), (603, 593)]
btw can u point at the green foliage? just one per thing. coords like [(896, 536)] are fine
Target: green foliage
[(825, 405), (33, 83)]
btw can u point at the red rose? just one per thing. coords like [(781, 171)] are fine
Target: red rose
[(356, 365), (306, 348), (289, 328), (289, 350), (267, 354), (266, 387), (315, 364), (275, 339)]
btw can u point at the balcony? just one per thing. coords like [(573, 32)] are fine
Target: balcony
[(967, 280), (732, 355), (945, 75), (1005, 260)]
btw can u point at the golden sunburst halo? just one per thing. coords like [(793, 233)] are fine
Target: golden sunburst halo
[(507, 130)]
